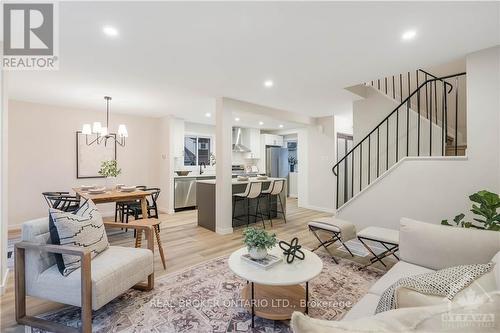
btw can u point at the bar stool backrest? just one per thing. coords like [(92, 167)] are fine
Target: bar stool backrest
[(277, 186), (253, 190)]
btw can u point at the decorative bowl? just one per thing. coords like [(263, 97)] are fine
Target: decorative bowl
[(97, 190), (242, 178), (87, 187), (182, 173), (128, 188), (262, 177)]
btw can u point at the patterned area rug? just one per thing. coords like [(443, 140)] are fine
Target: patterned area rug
[(206, 298)]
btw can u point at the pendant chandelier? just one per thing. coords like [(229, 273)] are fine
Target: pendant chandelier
[(101, 133)]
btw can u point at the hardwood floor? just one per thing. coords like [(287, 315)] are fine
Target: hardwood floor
[(185, 245)]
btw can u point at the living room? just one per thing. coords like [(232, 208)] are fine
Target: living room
[(245, 167)]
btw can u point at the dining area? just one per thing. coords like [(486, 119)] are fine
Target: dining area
[(133, 206)]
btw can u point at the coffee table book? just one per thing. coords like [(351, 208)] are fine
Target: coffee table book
[(265, 263)]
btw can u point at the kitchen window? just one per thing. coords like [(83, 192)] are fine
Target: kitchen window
[(197, 150)]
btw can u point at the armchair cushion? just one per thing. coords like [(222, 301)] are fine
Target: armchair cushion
[(112, 272), (82, 228)]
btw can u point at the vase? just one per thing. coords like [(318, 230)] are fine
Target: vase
[(109, 183), (257, 253)]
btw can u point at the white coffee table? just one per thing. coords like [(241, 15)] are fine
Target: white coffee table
[(276, 293)]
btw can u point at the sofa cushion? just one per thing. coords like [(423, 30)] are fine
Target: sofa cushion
[(425, 319), (365, 307), (436, 246), (112, 272), (400, 270), (82, 228)]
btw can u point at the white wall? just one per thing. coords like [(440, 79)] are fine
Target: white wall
[(42, 154), (436, 188), (3, 178)]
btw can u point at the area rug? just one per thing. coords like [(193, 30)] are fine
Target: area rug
[(206, 298)]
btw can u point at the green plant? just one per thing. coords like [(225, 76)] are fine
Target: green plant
[(292, 160), (258, 238), (109, 169), (488, 218)]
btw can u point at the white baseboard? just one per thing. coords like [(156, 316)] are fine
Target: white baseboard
[(224, 231), (319, 209), (3, 286)]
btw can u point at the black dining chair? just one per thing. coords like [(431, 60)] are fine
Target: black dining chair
[(62, 201), (135, 209), (120, 207)]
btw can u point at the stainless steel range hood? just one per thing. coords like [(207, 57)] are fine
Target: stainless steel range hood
[(237, 139)]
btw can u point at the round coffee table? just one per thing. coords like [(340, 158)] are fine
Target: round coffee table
[(276, 293)]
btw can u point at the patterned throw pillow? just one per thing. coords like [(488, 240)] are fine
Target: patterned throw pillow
[(445, 282), (83, 228)]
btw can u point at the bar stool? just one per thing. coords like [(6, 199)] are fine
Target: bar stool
[(252, 191), (275, 188)]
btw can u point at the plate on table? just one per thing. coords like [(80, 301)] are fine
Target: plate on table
[(97, 190), (262, 177), (242, 178), (87, 187), (128, 188)]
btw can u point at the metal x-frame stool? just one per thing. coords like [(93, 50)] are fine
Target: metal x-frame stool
[(335, 235), (388, 238)]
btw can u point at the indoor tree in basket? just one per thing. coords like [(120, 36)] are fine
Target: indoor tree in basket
[(110, 170), (488, 218), (258, 241)]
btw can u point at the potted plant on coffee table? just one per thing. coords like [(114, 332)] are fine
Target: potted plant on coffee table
[(258, 241)]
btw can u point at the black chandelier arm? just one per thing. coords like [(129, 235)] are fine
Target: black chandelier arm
[(93, 141)]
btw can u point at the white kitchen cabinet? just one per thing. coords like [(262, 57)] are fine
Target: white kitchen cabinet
[(273, 140), (253, 142)]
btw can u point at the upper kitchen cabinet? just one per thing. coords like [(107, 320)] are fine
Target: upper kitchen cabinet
[(253, 142), (272, 140)]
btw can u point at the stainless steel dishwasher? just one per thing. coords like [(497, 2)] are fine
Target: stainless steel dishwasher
[(184, 192)]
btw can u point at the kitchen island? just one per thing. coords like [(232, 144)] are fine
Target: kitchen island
[(205, 197)]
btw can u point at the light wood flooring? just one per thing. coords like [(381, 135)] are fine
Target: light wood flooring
[(185, 245)]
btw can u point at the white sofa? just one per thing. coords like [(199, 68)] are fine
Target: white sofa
[(426, 247)]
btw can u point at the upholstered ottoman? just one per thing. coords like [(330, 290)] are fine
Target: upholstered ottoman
[(388, 238)]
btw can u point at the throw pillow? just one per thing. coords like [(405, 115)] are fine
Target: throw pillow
[(406, 297), (445, 282), (83, 228)]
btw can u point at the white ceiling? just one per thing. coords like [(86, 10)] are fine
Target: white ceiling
[(174, 58)]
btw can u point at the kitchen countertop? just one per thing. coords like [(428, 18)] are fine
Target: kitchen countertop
[(237, 182), (194, 176)]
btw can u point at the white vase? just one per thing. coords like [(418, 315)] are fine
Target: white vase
[(109, 183), (257, 253)]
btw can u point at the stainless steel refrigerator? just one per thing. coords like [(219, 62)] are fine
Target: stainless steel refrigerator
[(277, 162)]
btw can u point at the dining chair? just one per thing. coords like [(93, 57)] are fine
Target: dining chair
[(121, 206), (135, 209), (62, 201)]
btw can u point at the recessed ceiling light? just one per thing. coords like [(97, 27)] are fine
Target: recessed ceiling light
[(236, 119), (261, 123), (409, 35), (208, 115), (281, 126), (110, 31), (268, 83)]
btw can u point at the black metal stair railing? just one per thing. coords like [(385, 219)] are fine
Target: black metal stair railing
[(421, 125)]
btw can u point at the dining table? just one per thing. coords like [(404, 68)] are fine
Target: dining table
[(118, 195)]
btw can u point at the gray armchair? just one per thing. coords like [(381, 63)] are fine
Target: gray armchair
[(96, 283)]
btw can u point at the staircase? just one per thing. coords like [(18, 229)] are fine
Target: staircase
[(430, 111)]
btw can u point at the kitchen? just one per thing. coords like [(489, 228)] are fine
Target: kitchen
[(256, 152)]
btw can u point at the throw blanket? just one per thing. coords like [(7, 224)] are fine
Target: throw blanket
[(347, 229), (445, 283)]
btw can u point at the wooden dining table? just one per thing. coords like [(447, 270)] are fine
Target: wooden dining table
[(116, 195)]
